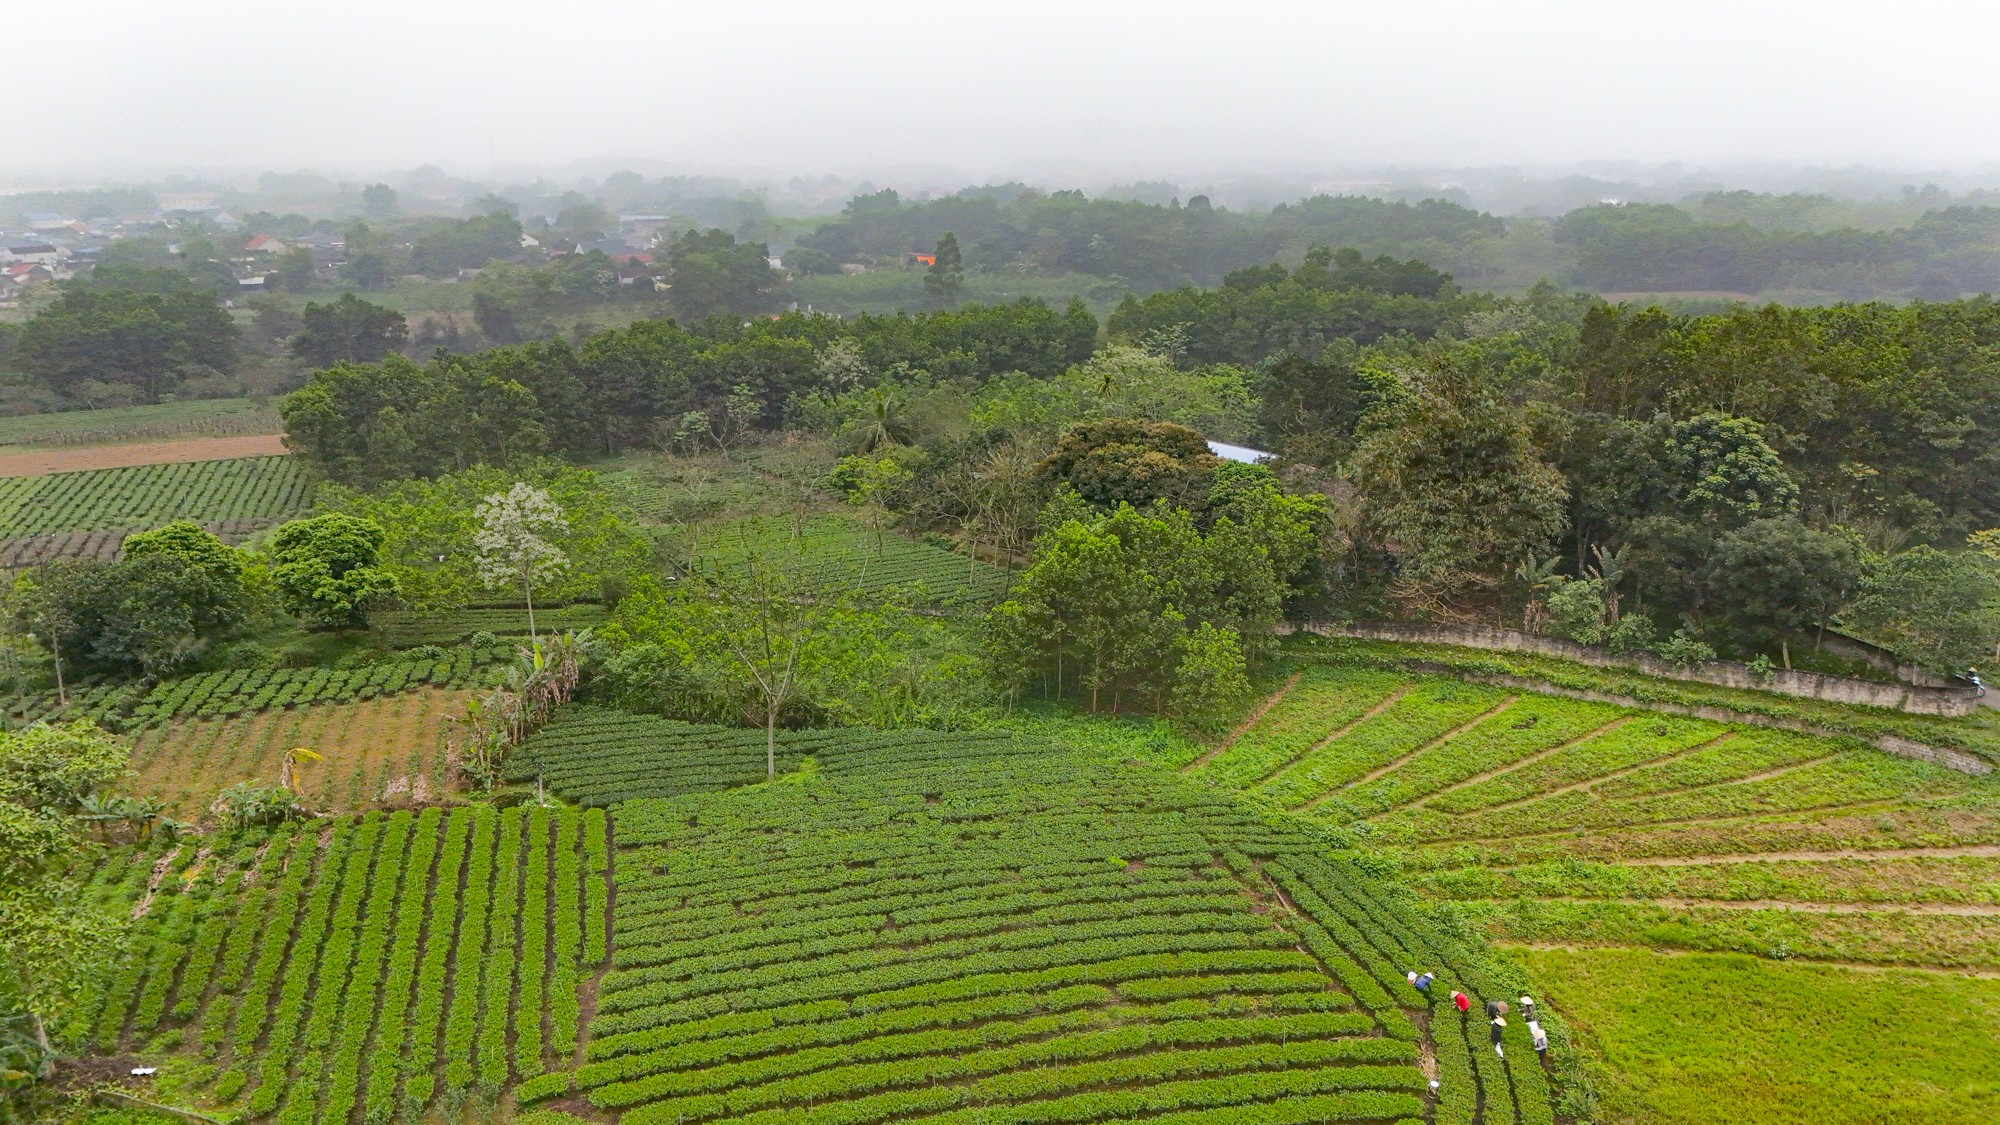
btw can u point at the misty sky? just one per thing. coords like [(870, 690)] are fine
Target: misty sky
[(990, 89)]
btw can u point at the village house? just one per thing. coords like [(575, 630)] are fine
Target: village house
[(40, 253)]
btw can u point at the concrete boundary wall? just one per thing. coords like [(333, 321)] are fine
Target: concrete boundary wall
[(1918, 699)]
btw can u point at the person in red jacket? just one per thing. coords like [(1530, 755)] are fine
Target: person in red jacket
[(1464, 1003)]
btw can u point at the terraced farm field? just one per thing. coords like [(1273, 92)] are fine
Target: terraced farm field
[(266, 490), (980, 929), (1573, 831), (854, 556), (925, 927), (383, 751), (137, 706)]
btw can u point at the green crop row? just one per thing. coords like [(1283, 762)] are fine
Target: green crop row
[(1852, 778), (263, 908), (447, 916), (532, 951), (1642, 740), (1320, 704), (1533, 725), (1108, 1105), (345, 868), (1427, 712), (566, 938), (339, 958), (266, 489), (364, 978), (791, 984), (462, 1018), (858, 558), (1022, 1072), (249, 690), (326, 961), (378, 1095), (502, 942), (960, 938)]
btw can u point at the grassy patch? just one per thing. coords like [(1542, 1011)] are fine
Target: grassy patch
[(213, 417), (1684, 1036)]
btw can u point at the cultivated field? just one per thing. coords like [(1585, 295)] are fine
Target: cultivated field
[(384, 751), (265, 490), (1571, 830), (406, 628), (44, 462), (215, 417), (33, 550), (366, 969), (856, 557), (248, 691), (919, 927)]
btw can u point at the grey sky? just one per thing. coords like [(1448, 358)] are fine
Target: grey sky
[(989, 89)]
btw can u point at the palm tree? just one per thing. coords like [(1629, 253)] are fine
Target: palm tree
[(885, 423)]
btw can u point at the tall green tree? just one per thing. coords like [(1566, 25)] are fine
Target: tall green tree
[(327, 569), (368, 423), (155, 611), (1136, 609), (713, 273), (53, 939), (447, 247), (1933, 607), (147, 341), (1720, 469), (1780, 576), (379, 200), (946, 273), (348, 330), (1450, 476), (1116, 461)]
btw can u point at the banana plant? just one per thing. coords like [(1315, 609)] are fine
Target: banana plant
[(288, 770)]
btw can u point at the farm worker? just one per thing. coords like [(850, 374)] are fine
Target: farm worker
[(1528, 1008), (1434, 1087), (1495, 1009), (1540, 1037), (1420, 981), (1464, 1005), (1499, 1025)]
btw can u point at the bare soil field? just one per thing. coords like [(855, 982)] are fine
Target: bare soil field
[(378, 753), (42, 462)]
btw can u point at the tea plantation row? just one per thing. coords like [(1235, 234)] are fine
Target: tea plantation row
[(360, 968)]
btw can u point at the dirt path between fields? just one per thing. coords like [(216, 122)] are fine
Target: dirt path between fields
[(1263, 708), (1955, 909), (1863, 966), (43, 462), (1973, 850)]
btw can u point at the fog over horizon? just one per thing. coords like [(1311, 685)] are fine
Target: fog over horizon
[(1055, 93)]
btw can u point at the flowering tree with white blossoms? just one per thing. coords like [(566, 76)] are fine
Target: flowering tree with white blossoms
[(513, 541)]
